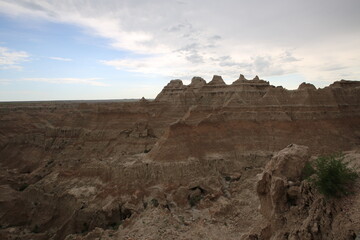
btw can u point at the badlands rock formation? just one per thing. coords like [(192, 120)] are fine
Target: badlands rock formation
[(252, 115), (183, 166), (293, 208)]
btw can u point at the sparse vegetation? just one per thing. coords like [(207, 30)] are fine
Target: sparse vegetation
[(194, 200), (330, 175), (85, 227), (114, 225), (23, 187), (35, 229), (307, 171), (155, 202)]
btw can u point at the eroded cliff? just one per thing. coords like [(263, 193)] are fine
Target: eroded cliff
[(182, 166)]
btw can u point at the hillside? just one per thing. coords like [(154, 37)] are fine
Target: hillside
[(187, 165)]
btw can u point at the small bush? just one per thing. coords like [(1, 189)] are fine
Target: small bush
[(155, 202), (194, 200), (330, 175), (307, 171)]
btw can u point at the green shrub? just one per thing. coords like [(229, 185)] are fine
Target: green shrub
[(330, 175), (307, 171)]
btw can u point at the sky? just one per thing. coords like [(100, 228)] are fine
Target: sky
[(117, 49)]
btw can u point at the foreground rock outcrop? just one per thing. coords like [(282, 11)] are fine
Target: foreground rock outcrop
[(183, 166), (295, 210)]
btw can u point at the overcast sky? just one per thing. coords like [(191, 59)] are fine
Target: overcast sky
[(113, 49)]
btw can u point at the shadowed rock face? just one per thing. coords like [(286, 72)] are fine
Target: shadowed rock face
[(251, 92), (197, 82), (217, 80), (254, 115), (306, 86), (84, 170)]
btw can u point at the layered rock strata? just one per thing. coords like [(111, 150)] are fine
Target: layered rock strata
[(85, 170), (251, 115)]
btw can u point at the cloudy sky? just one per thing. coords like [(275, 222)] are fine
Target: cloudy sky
[(112, 49)]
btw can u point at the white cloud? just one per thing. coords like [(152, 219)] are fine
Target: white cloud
[(174, 65), (190, 38), (4, 81), (61, 59), (10, 59), (87, 81)]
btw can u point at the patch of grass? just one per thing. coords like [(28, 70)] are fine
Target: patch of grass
[(331, 175)]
